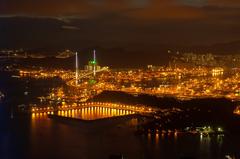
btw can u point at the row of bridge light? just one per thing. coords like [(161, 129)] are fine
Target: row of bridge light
[(112, 105), (106, 112), (44, 109), (49, 109)]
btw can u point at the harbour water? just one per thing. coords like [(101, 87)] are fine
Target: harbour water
[(30, 137)]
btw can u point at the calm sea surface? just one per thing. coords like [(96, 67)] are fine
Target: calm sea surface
[(41, 137)]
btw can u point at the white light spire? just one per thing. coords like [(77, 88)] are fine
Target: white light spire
[(76, 68), (94, 63)]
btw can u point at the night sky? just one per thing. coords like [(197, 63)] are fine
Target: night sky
[(144, 25)]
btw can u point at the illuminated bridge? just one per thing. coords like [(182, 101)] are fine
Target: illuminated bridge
[(92, 110), (93, 72)]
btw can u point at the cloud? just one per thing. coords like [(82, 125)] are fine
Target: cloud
[(186, 21), (70, 27), (164, 9), (135, 8), (195, 3), (43, 7), (224, 3)]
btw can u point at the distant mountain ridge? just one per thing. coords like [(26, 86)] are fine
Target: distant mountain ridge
[(46, 35), (231, 47)]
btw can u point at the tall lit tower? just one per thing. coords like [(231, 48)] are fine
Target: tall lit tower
[(76, 68), (94, 63)]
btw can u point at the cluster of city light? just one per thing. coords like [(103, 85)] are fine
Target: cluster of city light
[(237, 110), (217, 71), (182, 83)]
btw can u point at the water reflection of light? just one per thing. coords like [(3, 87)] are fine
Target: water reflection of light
[(201, 137), (162, 135), (157, 138), (91, 113), (33, 115), (114, 112), (149, 136), (205, 142), (38, 116), (104, 112), (220, 139), (175, 135)]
